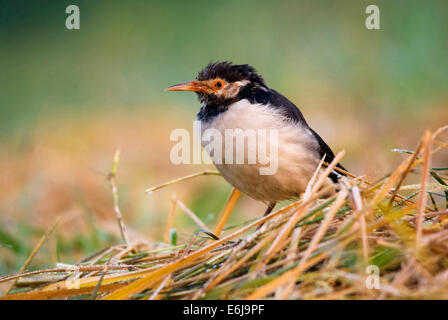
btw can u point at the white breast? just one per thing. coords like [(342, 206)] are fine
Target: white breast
[(297, 152)]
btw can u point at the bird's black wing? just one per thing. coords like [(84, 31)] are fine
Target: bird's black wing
[(324, 149), (291, 111)]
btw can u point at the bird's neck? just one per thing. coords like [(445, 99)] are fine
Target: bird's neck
[(210, 111), (213, 107)]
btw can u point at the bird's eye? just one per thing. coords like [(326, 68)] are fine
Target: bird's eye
[(218, 84)]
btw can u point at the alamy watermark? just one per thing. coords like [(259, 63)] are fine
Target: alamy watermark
[(373, 278), (72, 22), (72, 282), (373, 20), (232, 146)]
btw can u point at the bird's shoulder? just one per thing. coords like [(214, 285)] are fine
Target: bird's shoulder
[(274, 99)]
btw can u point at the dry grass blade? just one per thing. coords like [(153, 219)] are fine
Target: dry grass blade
[(33, 253), (156, 295), (426, 147), (192, 215), (98, 286), (222, 275), (227, 210), (263, 291), (405, 173), (362, 221), (113, 184), (190, 176), (340, 199)]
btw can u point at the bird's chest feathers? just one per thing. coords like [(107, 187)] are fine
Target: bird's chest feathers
[(243, 117), (288, 145)]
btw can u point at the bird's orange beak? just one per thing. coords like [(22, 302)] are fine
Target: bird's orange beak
[(195, 85)]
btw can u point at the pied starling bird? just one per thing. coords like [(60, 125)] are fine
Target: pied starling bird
[(236, 97)]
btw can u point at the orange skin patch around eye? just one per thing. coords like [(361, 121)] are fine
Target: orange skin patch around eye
[(217, 84)]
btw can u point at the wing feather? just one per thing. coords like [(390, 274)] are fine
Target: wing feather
[(291, 111)]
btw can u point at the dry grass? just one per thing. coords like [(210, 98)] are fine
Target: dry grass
[(311, 249)]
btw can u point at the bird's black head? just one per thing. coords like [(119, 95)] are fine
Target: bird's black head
[(230, 72), (221, 83)]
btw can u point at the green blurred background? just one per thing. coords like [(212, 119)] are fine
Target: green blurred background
[(69, 98), (126, 53)]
